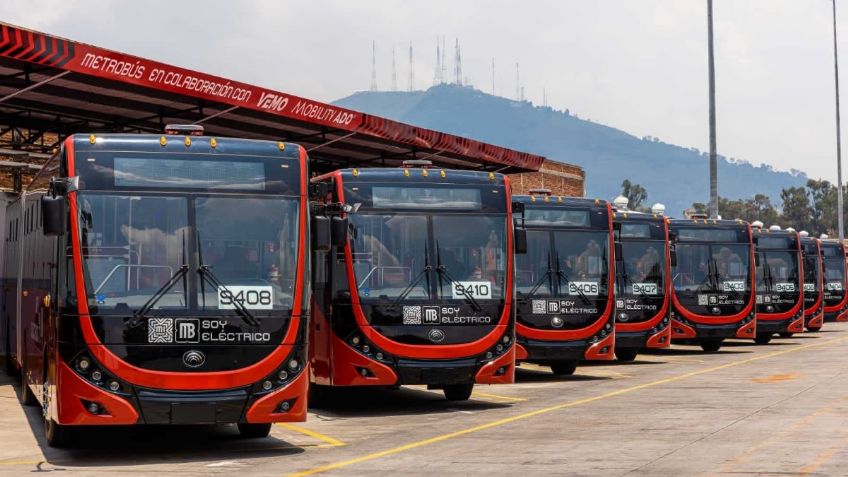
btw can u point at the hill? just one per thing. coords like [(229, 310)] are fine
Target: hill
[(674, 175)]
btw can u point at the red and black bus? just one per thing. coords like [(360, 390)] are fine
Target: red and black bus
[(833, 271), (642, 283), (713, 281), (161, 280), (780, 283), (813, 284), (418, 287), (564, 283)]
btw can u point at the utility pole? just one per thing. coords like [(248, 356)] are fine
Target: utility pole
[(713, 158), (839, 204)]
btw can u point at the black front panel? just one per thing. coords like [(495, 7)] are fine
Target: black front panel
[(187, 407), (160, 343), (415, 323)]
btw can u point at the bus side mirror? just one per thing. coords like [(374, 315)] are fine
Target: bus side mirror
[(520, 236), (321, 234), (619, 255), (54, 215), (673, 257), (756, 259), (339, 231)]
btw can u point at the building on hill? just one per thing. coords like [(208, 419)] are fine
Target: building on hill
[(562, 179)]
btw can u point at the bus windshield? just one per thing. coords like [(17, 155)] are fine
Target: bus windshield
[(409, 256), (811, 273), (581, 261), (643, 266), (834, 273), (777, 272), (134, 245), (712, 267)]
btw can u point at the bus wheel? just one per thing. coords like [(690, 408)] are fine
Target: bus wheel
[(786, 334), (711, 345), (563, 368), (813, 329), (626, 354), (458, 392), (252, 431), (57, 435), (762, 339)]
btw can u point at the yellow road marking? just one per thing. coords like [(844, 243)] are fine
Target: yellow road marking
[(546, 410), (497, 396), (822, 458), (311, 433), (779, 436), (776, 378), (23, 462)]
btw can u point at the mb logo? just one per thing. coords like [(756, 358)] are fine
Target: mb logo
[(431, 314), (187, 330)]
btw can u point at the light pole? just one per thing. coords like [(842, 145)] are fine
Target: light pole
[(839, 204), (713, 159)]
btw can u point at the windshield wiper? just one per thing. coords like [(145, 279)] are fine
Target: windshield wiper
[(538, 284), (206, 274), (768, 279), (561, 275), (424, 272), (141, 313), (182, 272), (443, 271)]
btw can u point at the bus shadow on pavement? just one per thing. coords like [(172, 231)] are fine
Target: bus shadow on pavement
[(693, 351), (141, 445), (750, 343), (616, 362), (523, 375), (380, 401)]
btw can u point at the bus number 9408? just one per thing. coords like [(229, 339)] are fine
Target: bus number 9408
[(250, 297)]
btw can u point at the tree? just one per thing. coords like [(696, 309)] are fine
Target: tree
[(796, 209), (635, 193)]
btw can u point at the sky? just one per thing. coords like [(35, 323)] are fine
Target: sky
[(640, 66)]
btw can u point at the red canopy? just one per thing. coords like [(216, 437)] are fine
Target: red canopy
[(51, 87)]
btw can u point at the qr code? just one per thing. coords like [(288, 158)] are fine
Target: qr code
[(412, 315), (539, 307), (160, 330), (703, 299)]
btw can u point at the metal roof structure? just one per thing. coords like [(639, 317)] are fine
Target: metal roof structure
[(52, 87)]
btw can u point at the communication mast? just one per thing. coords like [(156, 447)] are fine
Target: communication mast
[(394, 71), (493, 76), (411, 70), (443, 74), (457, 64), (373, 66), (517, 84), (437, 75)]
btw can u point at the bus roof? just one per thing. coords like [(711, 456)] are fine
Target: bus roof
[(415, 175), (559, 201)]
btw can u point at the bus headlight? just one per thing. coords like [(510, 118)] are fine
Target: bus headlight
[(83, 364), (557, 322)]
